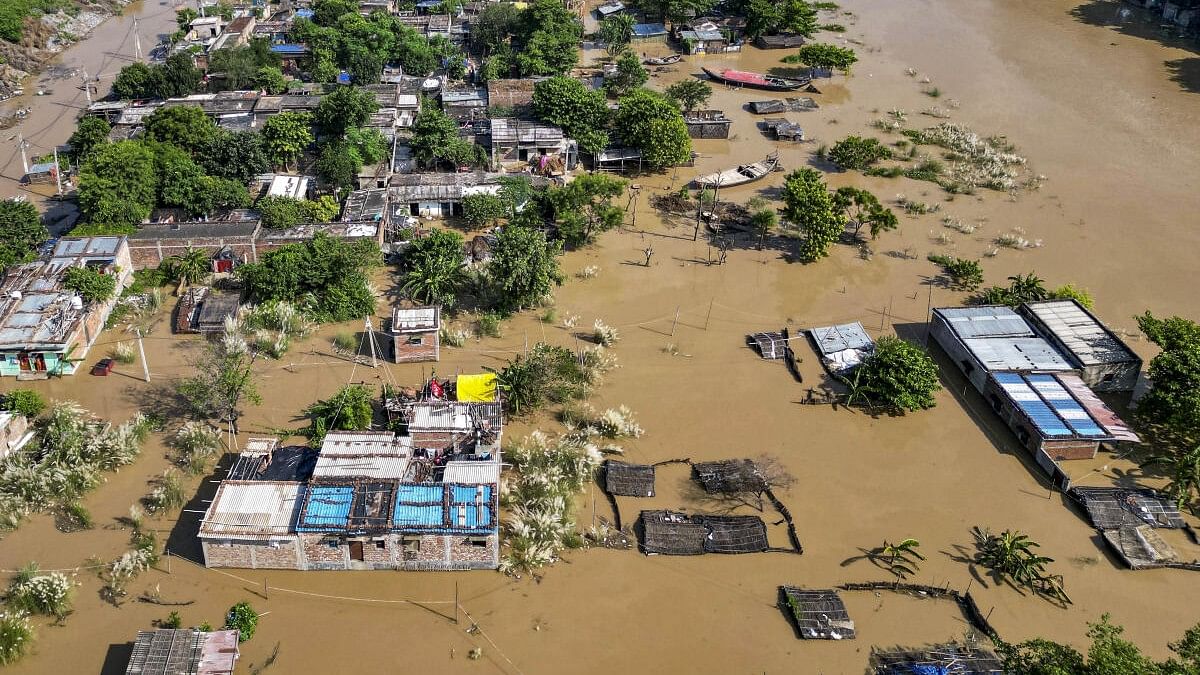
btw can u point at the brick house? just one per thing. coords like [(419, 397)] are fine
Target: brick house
[(415, 333), (250, 524), (154, 242)]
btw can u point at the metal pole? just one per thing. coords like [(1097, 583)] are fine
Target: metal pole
[(371, 337), (706, 316), (675, 321), (24, 157), (456, 603), (928, 311), (142, 351), (87, 88), (58, 171), (137, 42)]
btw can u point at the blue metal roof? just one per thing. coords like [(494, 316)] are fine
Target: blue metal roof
[(1047, 403), (328, 506), (440, 507), (649, 29), (304, 14), (289, 49)]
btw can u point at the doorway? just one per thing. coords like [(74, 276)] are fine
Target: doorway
[(356, 551)]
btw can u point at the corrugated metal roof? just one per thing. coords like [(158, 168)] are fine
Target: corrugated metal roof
[(1100, 412), (472, 472), (834, 339), (360, 443), (1050, 406), (444, 507), (415, 318), (1084, 336), (361, 467), (328, 506), (252, 510), (1016, 353), (991, 321)]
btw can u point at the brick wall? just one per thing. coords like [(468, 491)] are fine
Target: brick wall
[(253, 554), (319, 555), (425, 350), (147, 253)]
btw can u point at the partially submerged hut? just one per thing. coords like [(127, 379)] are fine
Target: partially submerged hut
[(1140, 547), (842, 347), (781, 129), (183, 651), (779, 41), (672, 533), (628, 480), (770, 345), (1111, 508), (936, 660), (775, 105), (730, 476), (1104, 361), (707, 123), (818, 615)]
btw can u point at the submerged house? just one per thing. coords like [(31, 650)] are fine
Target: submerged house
[(1105, 362), (1129, 520), (203, 310), (515, 140), (373, 501), (707, 124), (183, 651), (981, 340), (415, 333), (46, 327), (671, 533)]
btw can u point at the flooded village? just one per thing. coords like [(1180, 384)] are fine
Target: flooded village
[(582, 337)]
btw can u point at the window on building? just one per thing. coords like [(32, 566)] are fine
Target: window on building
[(481, 542), (380, 544), (411, 544), (332, 543), (1109, 377), (415, 340)]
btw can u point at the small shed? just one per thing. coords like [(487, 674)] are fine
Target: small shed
[(670, 533), (842, 347), (703, 41), (818, 615), (1104, 361), (936, 659), (707, 124), (770, 345), (618, 160), (730, 475), (415, 333), (734, 534), (1111, 508), (611, 8), (781, 129), (628, 480), (183, 651), (1140, 547), (42, 172), (649, 32), (214, 309), (780, 41)]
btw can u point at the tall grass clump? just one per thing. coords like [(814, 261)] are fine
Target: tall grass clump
[(539, 496), (196, 444), (68, 457), (270, 327), (167, 493), (46, 594), (453, 337), (141, 556), (123, 353), (604, 334), (16, 634), (345, 342)]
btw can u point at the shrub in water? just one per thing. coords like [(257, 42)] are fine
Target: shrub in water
[(15, 637), (33, 593), (242, 618)]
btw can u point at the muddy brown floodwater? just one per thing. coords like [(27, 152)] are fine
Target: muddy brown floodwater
[(1094, 109)]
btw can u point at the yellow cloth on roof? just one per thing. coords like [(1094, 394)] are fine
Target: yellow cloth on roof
[(479, 388)]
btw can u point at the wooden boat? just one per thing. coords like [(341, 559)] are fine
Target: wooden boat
[(743, 78), (745, 173), (663, 60)]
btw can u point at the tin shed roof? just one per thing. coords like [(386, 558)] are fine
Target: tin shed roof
[(1080, 332), (252, 510)]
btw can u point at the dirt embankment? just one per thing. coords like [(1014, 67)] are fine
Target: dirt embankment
[(44, 36)]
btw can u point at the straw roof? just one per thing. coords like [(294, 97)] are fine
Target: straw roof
[(817, 614), (947, 658), (628, 480), (672, 533), (730, 475), (734, 534)]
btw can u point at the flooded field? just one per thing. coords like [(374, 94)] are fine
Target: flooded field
[(1098, 111)]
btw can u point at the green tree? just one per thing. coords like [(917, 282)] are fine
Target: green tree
[(548, 43), (241, 67), (583, 208), (1170, 410), (495, 26), (674, 11), (763, 221), (118, 184), (855, 152), (339, 165), (482, 210), (798, 17), (24, 401), (616, 32), (824, 57), (1021, 288), (434, 133), (629, 76), (763, 17), (327, 12), (962, 273), (346, 108), (1108, 654), (134, 81), (863, 208), (433, 268), (91, 133), (238, 155), (184, 126), (370, 145), (184, 18), (524, 267), (91, 285), (21, 232), (1071, 292), (349, 409), (270, 79), (190, 267), (689, 94), (808, 204), (897, 376), (1183, 468), (581, 112), (651, 123), (242, 618), (286, 135), (326, 277)]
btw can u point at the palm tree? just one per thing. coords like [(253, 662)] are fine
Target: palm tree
[(187, 269), (1027, 288), (1011, 555), (1184, 470)]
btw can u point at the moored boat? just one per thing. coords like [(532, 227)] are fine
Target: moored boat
[(663, 60), (744, 78), (746, 173)]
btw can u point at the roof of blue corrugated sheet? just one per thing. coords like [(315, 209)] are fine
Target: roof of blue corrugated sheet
[(327, 506), (424, 507), (1050, 406)]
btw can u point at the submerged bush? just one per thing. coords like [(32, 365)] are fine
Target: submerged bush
[(33, 593), (24, 401), (242, 618), (16, 634), (196, 443)]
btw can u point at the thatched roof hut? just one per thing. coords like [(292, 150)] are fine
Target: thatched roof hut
[(730, 475), (1114, 507), (672, 533), (947, 658), (734, 534), (818, 615), (628, 480)]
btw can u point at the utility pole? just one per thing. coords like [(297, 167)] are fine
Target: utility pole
[(371, 337), (137, 42), (87, 88), (142, 351), (58, 177), (24, 157)]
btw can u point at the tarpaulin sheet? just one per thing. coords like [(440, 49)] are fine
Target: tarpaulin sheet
[(479, 388)]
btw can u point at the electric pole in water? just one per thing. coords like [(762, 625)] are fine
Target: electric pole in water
[(24, 158), (137, 42), (58, 173), (371, 337), (142, 351), (87, 88)]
